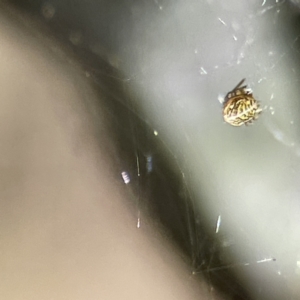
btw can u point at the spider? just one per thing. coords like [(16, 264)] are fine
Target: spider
[(240, 107)]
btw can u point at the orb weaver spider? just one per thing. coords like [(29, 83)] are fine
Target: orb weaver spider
[(240, 107)]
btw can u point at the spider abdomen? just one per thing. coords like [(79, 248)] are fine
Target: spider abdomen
[(240, 107)]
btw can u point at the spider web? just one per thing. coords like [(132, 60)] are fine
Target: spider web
[(234, 181), (227, 197)]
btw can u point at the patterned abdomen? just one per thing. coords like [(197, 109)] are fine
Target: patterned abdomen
[(241, 109)]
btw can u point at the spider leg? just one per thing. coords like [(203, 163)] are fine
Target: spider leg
[(239, 84), (243, 87), (226, 98)]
